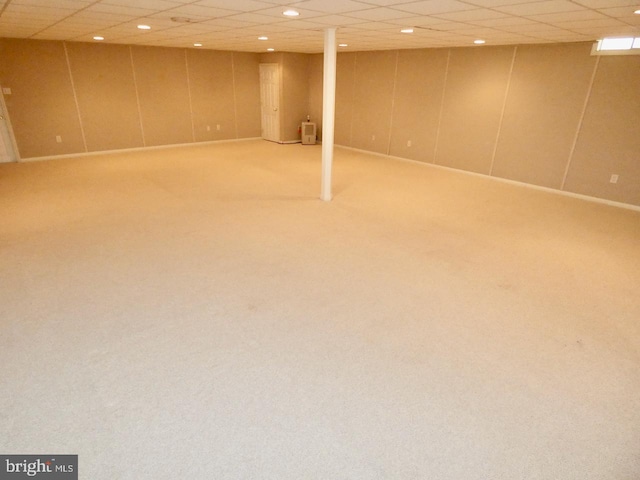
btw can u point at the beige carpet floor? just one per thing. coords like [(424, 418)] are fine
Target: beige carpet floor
[(199, 313)]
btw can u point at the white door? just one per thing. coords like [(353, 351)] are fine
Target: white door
[(270, 101), (7, 153)]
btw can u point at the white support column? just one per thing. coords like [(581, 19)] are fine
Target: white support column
[(328, 110)]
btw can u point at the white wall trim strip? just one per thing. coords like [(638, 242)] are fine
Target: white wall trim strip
[(579, 127), (135, 84), (504, 107), (444, 91), (135, 149), (186, 66), (75, 96)]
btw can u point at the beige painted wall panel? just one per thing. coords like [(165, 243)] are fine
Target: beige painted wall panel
[(212, 102), (295, 94), (549, 85), (417, 102), (375, 72), (161, 77), (106, 93), (247, 85), (345, 91), (316, 72), (609, 141), (41, 105), (474, 96)]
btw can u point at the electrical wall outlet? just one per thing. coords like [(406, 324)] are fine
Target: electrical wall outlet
[(218, 127), (58, 139), (614, 178), (208, 128), (373, 138), (6, 91), (408, 143)]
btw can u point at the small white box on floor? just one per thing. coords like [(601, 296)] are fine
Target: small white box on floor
[(308, 133)]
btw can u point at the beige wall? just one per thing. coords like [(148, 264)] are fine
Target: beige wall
[(609, 139), (41, 104), (316, 67), (547, 115), (105, 97)]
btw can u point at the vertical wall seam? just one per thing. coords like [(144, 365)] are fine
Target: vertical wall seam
[(235, 101), (580, 121), (135, 85), (393, 101), (444, 90), (193, 125), (75, 96), (353, 96), (504, 107)]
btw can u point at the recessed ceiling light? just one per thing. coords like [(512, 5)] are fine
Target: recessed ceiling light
[(98, 38), (144, 27), (343, 45), (263, 38), (479, 42), (197, 44), (407, 30), (637, 12), (271, 49), (291, 13)]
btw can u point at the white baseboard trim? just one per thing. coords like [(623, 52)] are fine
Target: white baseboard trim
[(134, 149), (580, 196)]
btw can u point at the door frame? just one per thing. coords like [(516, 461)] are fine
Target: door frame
[(12, 145), (279, 114)]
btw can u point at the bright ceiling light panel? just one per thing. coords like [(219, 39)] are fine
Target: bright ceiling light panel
[(615, 44), (407, 30), (144, 27), (291, 13)]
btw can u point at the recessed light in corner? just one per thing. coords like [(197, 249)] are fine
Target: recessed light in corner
[(271, 49), (479, 42), (197, 44), (291, 13), (98, 38), (144, 27), (263, 38), (407, 30)]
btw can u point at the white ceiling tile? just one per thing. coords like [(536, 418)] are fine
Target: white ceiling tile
[(607, 3), (567, 16), (503, 22), (337, 20), (241, 5), (146, 4), (334, 6), (540, 8), (471, 15), (379, 14), (369, 24), (431, 7), (496, 3)]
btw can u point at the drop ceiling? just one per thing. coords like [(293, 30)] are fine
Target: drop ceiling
[(362, 24)]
